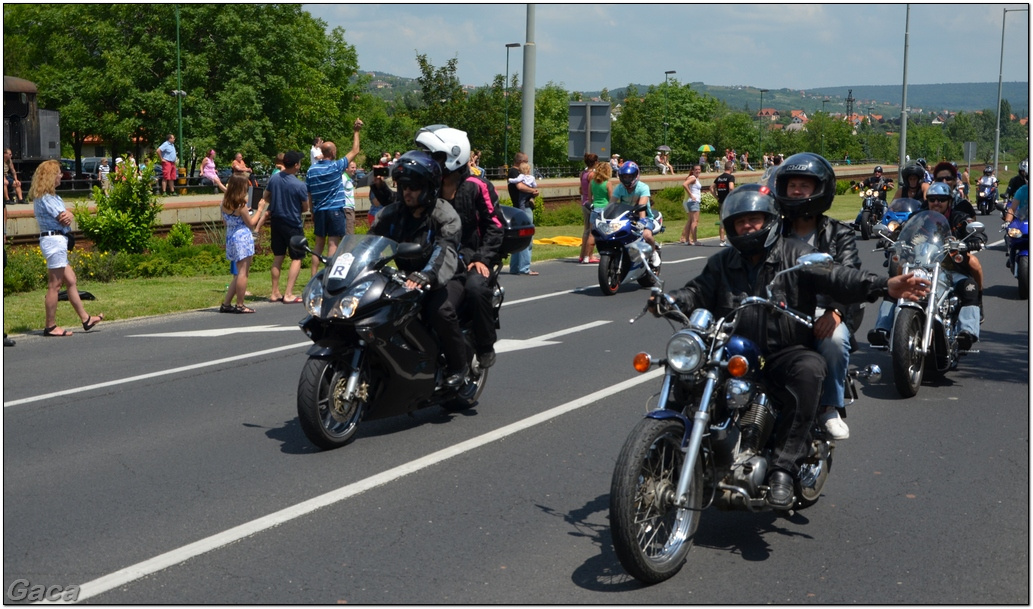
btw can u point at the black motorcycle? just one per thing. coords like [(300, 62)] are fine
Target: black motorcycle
[(374, 356)]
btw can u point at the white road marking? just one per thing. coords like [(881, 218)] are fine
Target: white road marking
[(506, 345), (217, 332), (203, 546)]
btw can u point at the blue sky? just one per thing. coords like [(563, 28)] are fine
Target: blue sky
[(590, 46)]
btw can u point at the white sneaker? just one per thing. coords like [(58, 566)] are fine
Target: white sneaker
[(834, 424)]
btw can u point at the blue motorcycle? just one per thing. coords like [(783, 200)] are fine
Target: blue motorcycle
[(1017, 241), (623, 254)]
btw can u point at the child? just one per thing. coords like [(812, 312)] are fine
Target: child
[(240, 242), (520, 262)]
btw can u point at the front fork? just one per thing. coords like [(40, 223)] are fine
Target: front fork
[(700, 424), (356, 369), (930, 310)]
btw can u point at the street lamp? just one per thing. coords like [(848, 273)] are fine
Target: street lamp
[(762, 92), (997, 136), (867, 139), (505, 136), (179, 92), (824, 119), (666, 75)]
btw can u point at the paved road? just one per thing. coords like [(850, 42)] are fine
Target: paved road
[(160, 461)]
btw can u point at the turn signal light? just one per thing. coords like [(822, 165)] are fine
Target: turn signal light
[(738, 366), (642, 362)]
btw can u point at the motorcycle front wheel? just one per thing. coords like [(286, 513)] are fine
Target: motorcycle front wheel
[(328, 420), (908, 363), (651, 535), (609, 273), (866, 225)]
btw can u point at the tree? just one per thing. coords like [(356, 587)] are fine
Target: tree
[(444, 102)]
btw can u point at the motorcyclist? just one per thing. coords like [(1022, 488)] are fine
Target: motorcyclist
[(419, 216), (963, 214), (805, 185), (1018, 181), (633, 191), (911, 186), (988, 179), (941, 200), (472, 197), (877, 182), (795, 371)]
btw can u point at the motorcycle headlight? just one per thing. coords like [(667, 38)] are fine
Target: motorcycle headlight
[(1014, 233), (312, 296), (893, 225), (922, 274), (345, 307), (608, 227), (685, 352)]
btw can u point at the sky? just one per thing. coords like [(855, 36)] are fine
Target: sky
[(588, 47)]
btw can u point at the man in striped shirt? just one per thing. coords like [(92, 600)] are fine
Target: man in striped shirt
[(332, 194)]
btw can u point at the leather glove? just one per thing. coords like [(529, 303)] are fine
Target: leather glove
[(420, 279)]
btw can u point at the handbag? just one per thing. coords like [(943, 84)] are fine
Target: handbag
[(71, 241)]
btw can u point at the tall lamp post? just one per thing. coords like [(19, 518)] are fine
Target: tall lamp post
[(666, 75), (505, 136), (1000, 73), (179, 92), (824, 119), (762, 92), (867, 139)]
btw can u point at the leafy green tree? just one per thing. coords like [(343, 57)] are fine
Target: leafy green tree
[(550, 126), (443, 98)]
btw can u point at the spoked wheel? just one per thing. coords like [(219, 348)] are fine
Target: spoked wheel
[(813, 474), (609, 273), (908, 363), (328, 420), (866, 225), (651, 535)]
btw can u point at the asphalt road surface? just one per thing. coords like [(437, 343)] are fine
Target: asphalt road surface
[(160, 461)]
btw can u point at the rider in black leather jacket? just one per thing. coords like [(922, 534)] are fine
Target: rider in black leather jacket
[(753, 223)]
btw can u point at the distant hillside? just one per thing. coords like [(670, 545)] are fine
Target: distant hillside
[(883, 99)]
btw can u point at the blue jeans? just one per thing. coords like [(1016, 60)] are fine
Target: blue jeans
[(520, 262), (836, 351)]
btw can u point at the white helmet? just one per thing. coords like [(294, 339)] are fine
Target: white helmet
[(444, 139)]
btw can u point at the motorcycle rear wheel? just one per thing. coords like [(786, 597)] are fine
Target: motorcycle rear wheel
[(459, 404), (327, 421), (866, 225), (651, 536), (908, 363), (609, 273), (1023, 263)]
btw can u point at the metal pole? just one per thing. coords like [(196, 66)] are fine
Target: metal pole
[(824, 119), (179, 88), (505, 92), (903, 101), (666, 74), (1000, 74), (761, 151), (527, 114)]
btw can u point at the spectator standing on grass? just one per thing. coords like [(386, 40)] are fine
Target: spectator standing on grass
[(332, 195), (693, 198), (287, 198), (240, 242), (55, 234), (723, 184), (167, 152), (522, 190)]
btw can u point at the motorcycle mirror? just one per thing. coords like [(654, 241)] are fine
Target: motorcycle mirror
[(815, 259), (409, 251), (298, 244), (882, 229), (1001, 205), (975, 228)]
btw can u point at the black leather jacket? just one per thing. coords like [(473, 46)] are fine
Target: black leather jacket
[(437, 229), (837, 239), (482, 223), (726, 279)]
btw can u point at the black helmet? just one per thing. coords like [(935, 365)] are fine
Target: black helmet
[(912, 169), (745, 199), (807, 165), (419, 169), (878, 169), (923, 163), (988, 170)]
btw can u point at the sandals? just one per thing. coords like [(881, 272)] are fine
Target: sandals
[(89, 323), (50, 332), (243, 309)]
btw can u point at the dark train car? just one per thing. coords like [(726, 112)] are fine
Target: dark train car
[(32, 134)]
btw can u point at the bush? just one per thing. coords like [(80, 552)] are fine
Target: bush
[(180, 235), (26, 270), (842, 187), (709, 204), (125, 216)]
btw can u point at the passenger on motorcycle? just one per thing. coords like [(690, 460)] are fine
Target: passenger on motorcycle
[(877, 182), (963, 213), (966, 289), (419, 216), (472, 197), (794, 370), (911, 186), (804, 188), (1018, 181), (988, 179), (632, 191)]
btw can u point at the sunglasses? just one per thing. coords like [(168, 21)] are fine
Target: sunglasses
[(944, 178), (939, 199)]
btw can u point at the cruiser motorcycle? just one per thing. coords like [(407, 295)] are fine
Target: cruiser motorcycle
[(924, 338), (872, 208), (709, 441), (623, 254)]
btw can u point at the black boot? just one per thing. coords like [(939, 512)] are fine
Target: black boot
[(780, 490)]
